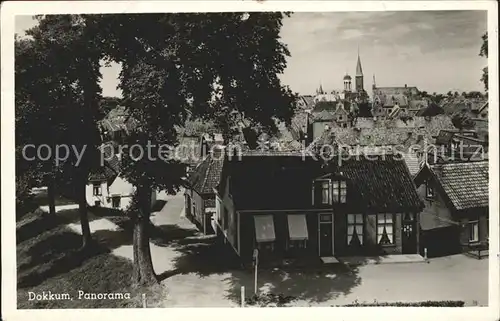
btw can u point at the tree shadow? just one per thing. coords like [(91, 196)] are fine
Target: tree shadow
[(203, 256), (313, 285), (164, 235), (64, 255), (158, 205), (113, 239), (36, 226)]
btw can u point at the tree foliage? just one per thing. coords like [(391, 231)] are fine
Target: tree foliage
[(461, 120), (207, 66), (57, 91), (483, 52)]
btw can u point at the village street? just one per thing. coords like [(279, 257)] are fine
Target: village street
[(195, 272)]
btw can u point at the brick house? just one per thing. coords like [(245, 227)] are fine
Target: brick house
[(199, 193), (455, 217), (290, 207)]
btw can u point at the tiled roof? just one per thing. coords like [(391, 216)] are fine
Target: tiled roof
[(384, 183), (412, 162), (299, 124), (118, 119), (110, 169), (395, 90), (207, 175), (323, 115), (416, 104), (454, 104), (197, 127), (325, 106), (465, 184), (305, 102), (388, 100), (189, 150), (444, 137)]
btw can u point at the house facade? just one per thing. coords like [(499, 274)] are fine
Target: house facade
[(199, 194), (455, 217), (106, 188), (296, 209)]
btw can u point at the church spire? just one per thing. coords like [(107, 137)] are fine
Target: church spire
[(359, 76), (359, 70)]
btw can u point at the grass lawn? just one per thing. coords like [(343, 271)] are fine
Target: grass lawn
[(41, 198), (49, 259)]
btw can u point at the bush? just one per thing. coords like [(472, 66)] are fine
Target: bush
[(408, 304), (269, 299)]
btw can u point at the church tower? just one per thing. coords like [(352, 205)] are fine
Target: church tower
[(347, 83), (359, 76)]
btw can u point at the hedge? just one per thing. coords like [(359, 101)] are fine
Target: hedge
[(409, 304)]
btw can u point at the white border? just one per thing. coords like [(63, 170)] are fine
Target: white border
[(11, 8)]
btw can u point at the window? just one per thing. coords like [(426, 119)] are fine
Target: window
[(115, 200), (339, 191), (264, 232), (297, 231), (473, 231), (325, 193), (355, 229), (97, 190), (429, 191), (385, 229)]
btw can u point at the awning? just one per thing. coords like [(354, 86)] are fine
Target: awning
[(264, 228), (297, 227)]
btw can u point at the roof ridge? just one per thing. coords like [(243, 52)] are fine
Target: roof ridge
[(207, 172)]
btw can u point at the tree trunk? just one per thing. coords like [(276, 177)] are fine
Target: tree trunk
[(82, 210), (143, 273), (51, 195)]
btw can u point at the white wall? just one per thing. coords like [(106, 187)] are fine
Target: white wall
[(119, 187)]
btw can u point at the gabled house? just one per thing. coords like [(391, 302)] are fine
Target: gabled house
[(199, 193), (455, 217), (117, 124), (106, 188), (456, 145), (288, 206)]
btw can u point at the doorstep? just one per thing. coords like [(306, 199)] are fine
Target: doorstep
[(388, 259), (329, 260)]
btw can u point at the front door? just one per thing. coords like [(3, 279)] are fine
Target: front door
[(325, 235), (409, 234)]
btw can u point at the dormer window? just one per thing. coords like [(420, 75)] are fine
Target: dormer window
[(327, 192)]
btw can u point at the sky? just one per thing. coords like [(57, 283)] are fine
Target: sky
[(436, 51)]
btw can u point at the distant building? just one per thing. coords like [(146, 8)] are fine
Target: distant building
[(108, 188)]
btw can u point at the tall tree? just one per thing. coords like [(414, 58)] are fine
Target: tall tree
[(67, 60), (483, 52), (205, 65)]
